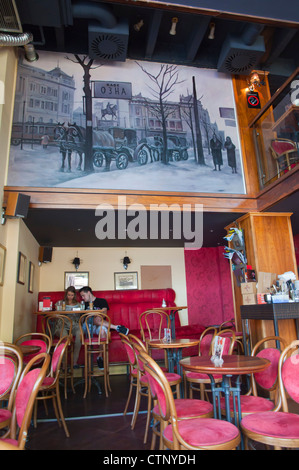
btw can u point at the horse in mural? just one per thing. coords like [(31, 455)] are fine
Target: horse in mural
[(110, 110), (71, 139)]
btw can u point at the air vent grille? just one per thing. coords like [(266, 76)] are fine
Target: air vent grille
[(240, 62), (108, 44), (239, 58), (9, 17)]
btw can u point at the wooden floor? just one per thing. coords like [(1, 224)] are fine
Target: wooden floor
[(94, 423)]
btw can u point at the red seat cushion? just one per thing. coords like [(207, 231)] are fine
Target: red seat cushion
[(4, 415), (274, 424), (249, 404), (188, 408), (204, 431)]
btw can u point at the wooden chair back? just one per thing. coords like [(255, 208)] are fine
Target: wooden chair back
[(152, 324), (87, 322), (205, 341), (34, 339), (11, 365), (268, 378), (29, 384), (55, 326), (288, 377)]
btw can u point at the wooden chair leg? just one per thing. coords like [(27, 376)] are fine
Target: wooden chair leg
[(85, 371)]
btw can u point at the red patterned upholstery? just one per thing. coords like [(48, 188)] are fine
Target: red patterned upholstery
[(204, 432), (125, 308), (276, 424)]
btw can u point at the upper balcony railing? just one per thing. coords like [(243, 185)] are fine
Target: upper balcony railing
[(276, 132)]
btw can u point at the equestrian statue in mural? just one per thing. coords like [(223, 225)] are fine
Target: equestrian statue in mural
[(71, 139), (110, 110)]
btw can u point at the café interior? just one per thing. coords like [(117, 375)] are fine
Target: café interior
[(223, 275)]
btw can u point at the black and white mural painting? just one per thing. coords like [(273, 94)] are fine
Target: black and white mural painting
[(136, 125)]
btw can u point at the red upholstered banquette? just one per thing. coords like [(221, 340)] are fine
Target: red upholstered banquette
[(125, 306)]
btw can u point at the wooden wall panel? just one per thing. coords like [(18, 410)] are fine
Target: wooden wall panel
[(269, 248)]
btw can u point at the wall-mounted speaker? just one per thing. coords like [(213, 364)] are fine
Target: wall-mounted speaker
[(45, 254), (17, 205)]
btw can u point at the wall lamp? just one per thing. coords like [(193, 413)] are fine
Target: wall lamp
[(126, 261), (76, 262), (174, 22), (255, 81)]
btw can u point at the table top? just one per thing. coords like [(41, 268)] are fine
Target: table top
[(28, 348), (168, 308), (232, 365), (64, 312), (174, 343)]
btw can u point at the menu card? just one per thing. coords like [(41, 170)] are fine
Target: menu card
[(217, 350)]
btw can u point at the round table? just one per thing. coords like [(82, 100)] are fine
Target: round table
[(174, 350), (232, 365)]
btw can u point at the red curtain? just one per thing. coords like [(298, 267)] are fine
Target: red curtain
[(209, 289)]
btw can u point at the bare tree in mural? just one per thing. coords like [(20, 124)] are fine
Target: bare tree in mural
[(164, 83), (86, 63)]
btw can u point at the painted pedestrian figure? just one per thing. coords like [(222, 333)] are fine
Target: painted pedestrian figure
[(216, 148), (231, 154)]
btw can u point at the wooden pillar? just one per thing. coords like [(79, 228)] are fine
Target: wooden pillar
[(269, 247)]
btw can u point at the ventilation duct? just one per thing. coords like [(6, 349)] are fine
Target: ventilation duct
[(107, 38), (9, 17), (241, 54)]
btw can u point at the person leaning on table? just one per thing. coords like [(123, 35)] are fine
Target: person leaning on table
[(99, 304)]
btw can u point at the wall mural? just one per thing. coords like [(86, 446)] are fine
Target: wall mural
[(132, 126)]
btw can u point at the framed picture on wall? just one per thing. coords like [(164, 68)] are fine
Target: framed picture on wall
[(21, 269), (2, 263), (76, 279), (30, 277), (125, 281)]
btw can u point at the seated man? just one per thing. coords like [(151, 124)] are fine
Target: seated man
[(99, 304)]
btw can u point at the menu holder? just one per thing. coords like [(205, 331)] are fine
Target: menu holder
[(217, 351), (167, 335)]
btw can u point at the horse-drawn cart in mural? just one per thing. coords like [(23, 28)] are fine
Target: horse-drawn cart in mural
[(151, 148)]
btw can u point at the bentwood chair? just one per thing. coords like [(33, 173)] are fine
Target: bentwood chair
[(49, 388), (139, 380), (279, 429), (57, 326), (41, 340), (30, 381), (192, 433), (11, 365), (152, 324), (95, 344), (284, 152), (198, 381), (266, 381)]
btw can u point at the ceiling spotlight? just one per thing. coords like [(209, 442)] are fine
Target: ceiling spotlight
[(30, 53), (212, 31), (138, 25), (174, 22)]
